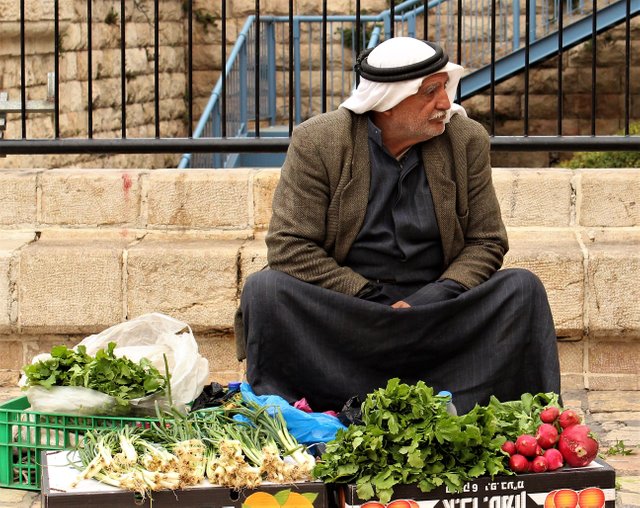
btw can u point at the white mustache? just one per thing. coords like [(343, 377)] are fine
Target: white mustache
[(439, 116)]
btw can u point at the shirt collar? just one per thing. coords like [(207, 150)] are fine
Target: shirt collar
[(375, 136)]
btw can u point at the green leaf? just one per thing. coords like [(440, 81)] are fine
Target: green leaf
[(384, 495), (310, 496), (364, 489), (415, 459), (282, 496), (347, 470)]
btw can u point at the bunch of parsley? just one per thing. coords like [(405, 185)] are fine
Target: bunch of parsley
[(119, 377), (407, 437)]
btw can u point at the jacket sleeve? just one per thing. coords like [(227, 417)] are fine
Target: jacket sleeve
[(297, 236), (485, 237)]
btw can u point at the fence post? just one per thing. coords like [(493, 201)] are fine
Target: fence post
[(243, 85), (296, 68), (516, 24), (271, 70), (532, 21)]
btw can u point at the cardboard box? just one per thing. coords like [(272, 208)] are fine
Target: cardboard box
[(57, 476), (594, 484)]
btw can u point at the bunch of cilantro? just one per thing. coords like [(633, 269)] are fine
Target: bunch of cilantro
[(407, 437), (119, 377)]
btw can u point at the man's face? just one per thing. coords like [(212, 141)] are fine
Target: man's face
[(422, 116)]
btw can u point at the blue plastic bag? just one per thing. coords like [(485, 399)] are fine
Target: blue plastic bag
[(307, 428)]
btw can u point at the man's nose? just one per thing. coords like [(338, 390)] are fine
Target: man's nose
[(443, 100)]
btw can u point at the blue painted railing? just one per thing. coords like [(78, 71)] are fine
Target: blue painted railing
[(474, 53)]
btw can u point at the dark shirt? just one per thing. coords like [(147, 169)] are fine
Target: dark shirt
[(399, 241)]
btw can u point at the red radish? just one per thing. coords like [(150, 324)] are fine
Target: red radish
[(526, 445), (577, 445), (547, 435), (518, 463), (568, 418), (509, 447), (549, 414), (554, 459), (539, 465)]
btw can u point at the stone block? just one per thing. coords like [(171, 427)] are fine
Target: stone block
[(524, 204), (264, 185), (9, 377), (543, 106), (11, 357), (618, 426), (70, 286), (220, 350), (556, 258), (598, 382), (615, 400), (10, 244), (614, 357), (96, 197), (571, 381), (253, 257), (199, 198), (138, 36), (609, 197), (479, 107), (18, 200), (207, 57), (571, 356), (613, 272), (136, 61), (191, 280)]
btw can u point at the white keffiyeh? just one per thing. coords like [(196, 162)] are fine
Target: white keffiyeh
[(397, 53)]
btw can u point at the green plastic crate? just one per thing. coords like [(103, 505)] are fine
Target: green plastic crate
[(25, 434)]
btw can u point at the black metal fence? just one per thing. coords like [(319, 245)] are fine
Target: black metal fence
[(155, 138)]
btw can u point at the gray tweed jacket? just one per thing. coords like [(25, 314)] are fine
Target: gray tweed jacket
[(321, 199)]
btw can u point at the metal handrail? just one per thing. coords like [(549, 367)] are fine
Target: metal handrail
[(258, 62), (405, 14)]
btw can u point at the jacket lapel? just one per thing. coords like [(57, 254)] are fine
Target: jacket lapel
[(443, 191), (355, 195)]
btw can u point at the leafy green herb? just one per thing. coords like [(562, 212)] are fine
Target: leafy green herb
[(121, 378), (619, 449), (408, 437), (521, 416)]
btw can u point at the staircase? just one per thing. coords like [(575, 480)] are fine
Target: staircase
[(512, 22)]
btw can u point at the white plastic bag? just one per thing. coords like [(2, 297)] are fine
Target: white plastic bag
[(149, 336)]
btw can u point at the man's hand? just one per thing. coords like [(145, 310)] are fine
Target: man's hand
[(401, 305)]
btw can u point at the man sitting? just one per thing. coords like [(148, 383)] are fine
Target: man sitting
[(384, 252)]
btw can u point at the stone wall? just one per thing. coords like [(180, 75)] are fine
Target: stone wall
[(81, 250), (106, 72)]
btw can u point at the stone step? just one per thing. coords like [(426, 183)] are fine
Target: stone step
[(79, 281), (81, 250), (240, 199)]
